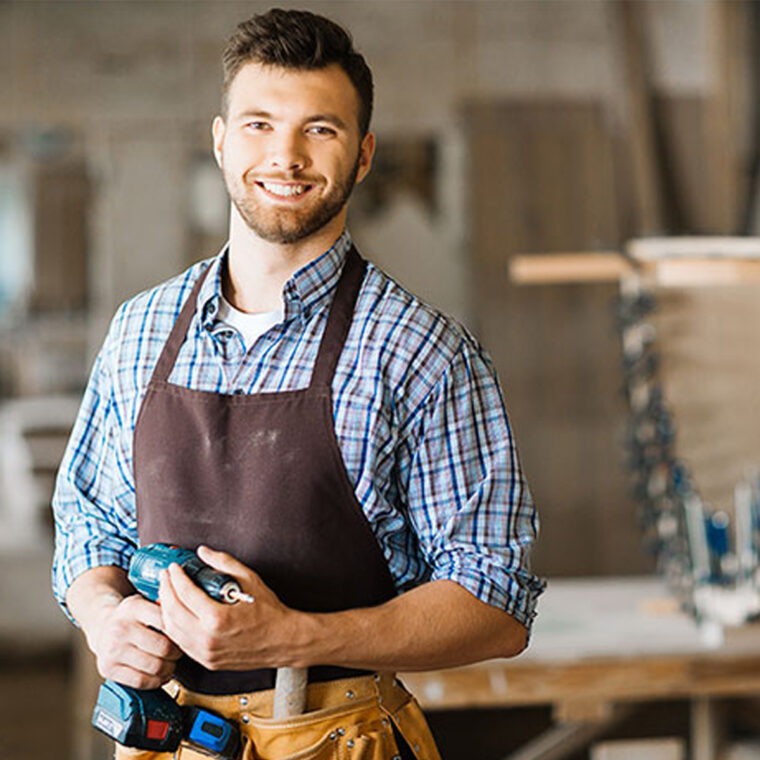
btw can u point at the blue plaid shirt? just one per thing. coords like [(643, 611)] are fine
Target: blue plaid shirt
[(418, 414)]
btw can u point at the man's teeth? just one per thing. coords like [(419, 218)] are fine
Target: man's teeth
[(284, 190)]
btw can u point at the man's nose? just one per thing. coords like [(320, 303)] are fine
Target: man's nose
[(288, 153)]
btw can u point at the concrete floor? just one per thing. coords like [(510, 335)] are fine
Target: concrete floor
[(35, 659), (35, 710)]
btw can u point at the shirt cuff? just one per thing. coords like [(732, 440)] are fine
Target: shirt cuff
[(514, 591), (64, 574)]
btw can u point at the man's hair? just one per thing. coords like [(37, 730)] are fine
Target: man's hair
[(297, 40)]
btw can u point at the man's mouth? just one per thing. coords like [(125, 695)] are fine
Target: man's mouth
[(285, 190)]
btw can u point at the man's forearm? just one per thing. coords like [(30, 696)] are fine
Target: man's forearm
[(437, 625)]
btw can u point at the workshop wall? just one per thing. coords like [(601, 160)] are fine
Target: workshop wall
[(504, 127)]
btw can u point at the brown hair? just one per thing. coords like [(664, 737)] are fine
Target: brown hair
[(297, 40)]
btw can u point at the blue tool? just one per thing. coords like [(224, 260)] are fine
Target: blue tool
[(149, 719), (148, 562)]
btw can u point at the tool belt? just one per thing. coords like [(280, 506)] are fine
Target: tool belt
[(348, 719)]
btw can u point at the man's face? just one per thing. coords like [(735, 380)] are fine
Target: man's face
[(290, 149)]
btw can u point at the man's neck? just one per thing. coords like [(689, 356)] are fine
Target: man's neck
[(257, 270)]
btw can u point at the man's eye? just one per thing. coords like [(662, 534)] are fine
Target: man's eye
[(257, 125), (321, 130)]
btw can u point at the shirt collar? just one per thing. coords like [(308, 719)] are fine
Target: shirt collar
[(302, 293)]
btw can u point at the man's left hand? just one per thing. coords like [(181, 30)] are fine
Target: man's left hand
[(240, 636)]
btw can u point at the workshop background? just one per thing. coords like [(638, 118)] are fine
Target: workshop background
[(504, 128)]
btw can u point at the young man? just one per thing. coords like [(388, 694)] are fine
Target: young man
[(311, 428)]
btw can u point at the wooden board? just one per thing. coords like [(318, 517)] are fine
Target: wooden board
[(658, 262), (61, 197), (542, 180)]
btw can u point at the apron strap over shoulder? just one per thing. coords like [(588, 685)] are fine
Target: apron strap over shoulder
[(177, 336), (339, 320)]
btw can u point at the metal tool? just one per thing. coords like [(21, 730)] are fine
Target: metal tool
[(150, 719), (144, 574), (148, 562)]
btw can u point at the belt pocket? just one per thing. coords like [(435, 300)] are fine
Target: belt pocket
[(324, 749), (373, 740), (344, 734)]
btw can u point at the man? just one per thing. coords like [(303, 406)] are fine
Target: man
[(311, 428)]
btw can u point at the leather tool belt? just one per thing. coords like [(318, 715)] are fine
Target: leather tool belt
[(347, 719)]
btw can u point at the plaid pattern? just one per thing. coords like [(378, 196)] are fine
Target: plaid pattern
[(418, 415)]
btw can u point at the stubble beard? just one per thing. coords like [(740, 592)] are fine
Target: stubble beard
[(289, 225)]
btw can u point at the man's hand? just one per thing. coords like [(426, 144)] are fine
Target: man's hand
[(220, 636), (129, 647), (122, 629)]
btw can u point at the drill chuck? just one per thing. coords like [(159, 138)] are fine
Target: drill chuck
[(231, 593)]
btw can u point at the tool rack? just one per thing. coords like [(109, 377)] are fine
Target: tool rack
[(709, 558)]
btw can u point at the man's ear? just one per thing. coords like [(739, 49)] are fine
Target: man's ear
[(217, 133), (366, 152)]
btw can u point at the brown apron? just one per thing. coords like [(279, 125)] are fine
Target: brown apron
[(261, 477)]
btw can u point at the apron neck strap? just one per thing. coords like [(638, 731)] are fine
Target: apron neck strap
[(339, 319), (177, 336), (338, 323)]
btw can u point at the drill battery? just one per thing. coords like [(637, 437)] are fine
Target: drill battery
[(150, 719)]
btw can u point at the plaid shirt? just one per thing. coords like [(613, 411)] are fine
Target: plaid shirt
[(418, 415)]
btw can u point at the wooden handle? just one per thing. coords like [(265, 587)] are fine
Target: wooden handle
[(289, 692)]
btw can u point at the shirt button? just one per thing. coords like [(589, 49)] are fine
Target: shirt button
[(238, 391)]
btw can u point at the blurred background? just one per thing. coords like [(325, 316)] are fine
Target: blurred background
[(504, 127)]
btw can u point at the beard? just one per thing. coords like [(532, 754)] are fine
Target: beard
[(289, 225)]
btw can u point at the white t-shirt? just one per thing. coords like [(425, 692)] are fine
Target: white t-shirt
[(250, 326)]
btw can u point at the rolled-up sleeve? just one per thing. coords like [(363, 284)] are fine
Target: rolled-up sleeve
[(93, 503), (466, 495)]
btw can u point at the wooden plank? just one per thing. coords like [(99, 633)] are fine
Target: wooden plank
[(703, 198), (677, 272), (703, 273), (541, 179), (552, 268), (643, 167), (694, 246), (61, 197)]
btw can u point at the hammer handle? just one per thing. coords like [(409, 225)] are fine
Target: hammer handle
[(289, 692)]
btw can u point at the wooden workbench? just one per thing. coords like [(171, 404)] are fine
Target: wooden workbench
[(600, 645)]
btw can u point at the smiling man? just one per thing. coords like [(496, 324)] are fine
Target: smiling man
[(308, 426)]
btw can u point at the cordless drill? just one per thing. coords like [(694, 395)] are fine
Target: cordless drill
[(150, 719)]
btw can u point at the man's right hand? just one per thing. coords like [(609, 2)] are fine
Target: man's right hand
[(123, 629), (129, 647)]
